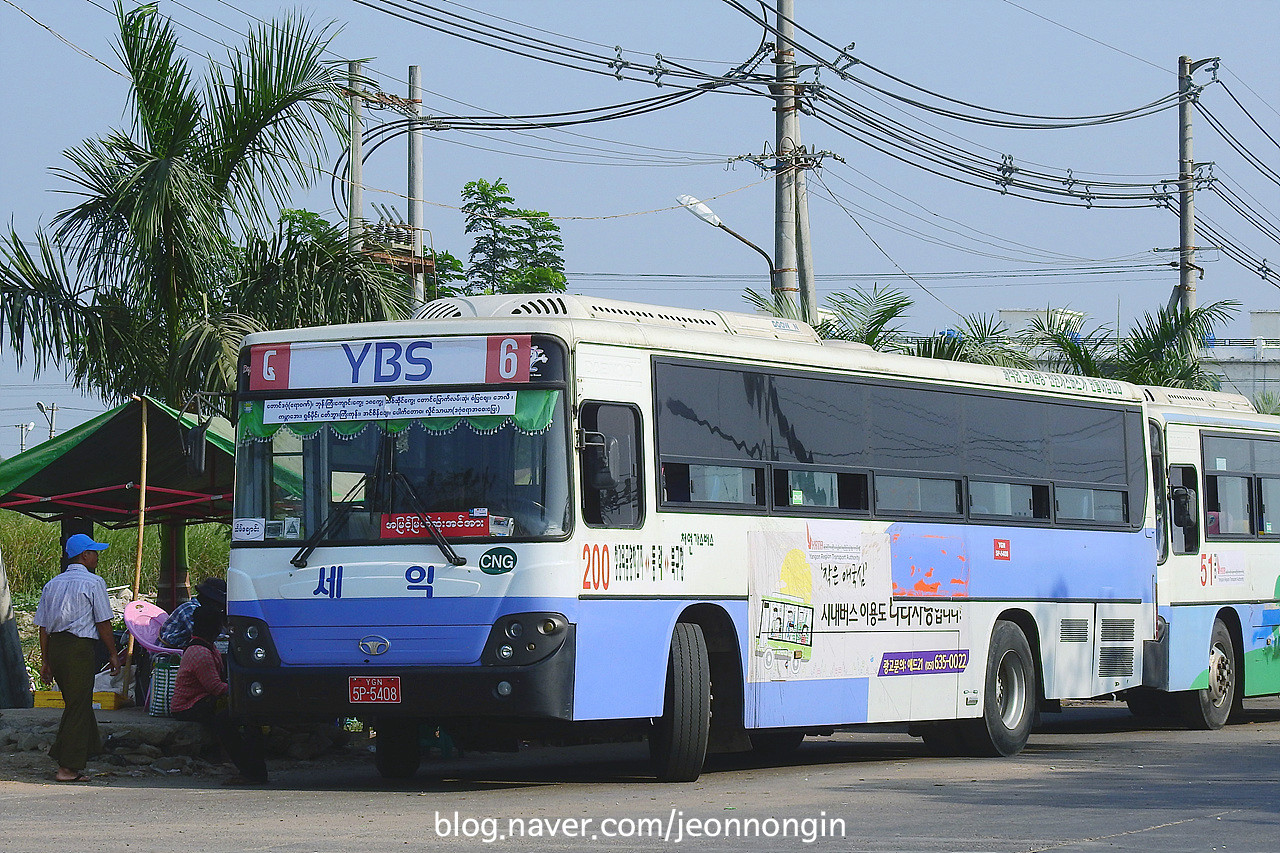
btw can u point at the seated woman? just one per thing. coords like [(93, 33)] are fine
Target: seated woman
[(199, 696)]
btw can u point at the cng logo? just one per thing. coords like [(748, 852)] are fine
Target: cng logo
[(497, 561)]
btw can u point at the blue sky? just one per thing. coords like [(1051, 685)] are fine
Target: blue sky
[(612, 185)]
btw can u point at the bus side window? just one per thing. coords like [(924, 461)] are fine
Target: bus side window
[(609, 449), (1186, 509)]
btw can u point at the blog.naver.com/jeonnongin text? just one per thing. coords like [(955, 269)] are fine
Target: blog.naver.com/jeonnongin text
[(673, 828)]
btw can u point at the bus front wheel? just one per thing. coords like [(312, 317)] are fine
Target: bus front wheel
[(1209, 708), (678, 739), (397, 752), (1008, 708)]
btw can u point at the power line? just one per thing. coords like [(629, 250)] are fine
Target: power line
[(1090, 38), (1248, 115), (66, 41), (846, 60), (1047, 256), (937, 298)]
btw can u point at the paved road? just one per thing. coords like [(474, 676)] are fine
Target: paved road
[(1091, 779)]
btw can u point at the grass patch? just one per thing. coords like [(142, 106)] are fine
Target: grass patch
[(31, 551)]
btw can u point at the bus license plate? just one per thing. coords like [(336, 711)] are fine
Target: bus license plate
[(371, 690)]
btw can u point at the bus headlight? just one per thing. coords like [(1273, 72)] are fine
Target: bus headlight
[(539, 636), (251, 644)]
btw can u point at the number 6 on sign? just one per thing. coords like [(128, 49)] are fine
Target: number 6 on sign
[(507, 359)]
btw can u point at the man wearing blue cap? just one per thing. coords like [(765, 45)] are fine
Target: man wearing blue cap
[(73, 611)]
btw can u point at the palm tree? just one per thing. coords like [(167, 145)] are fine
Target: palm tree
[(141, 287), (1162, 349), (872, 318), (304, 274), (981, 339), (128, 284), (865, 317)]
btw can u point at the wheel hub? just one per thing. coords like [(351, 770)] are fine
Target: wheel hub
[(1011, 692), (1220, 675)]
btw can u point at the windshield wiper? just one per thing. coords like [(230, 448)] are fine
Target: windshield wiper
[(437, 535), (330, 524)]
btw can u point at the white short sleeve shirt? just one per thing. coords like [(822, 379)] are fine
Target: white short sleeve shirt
[(74, 601)]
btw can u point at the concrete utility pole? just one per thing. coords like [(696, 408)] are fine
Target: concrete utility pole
[(784, 210), (1184, 295), (23, 429), (1186, 191), (355, 149), (415, 186), (804, 246)]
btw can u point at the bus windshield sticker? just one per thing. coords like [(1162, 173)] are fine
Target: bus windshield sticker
[(403, 406), (388, 363), (248, 529), (410, 525)]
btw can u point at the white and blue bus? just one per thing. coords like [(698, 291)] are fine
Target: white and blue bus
[(562, 517)]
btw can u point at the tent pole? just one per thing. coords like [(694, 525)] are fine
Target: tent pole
[(137, 563)]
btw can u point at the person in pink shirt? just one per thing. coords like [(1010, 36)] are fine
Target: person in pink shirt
[(199, 695)]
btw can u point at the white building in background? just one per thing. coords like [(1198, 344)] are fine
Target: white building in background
[(1248, 366)]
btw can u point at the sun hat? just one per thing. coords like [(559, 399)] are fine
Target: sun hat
[(78, 543)]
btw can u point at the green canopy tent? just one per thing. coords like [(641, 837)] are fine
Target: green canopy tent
[(93, 472)]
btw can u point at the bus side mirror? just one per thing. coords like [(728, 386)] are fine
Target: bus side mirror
[(1184, 507), (193, 448)]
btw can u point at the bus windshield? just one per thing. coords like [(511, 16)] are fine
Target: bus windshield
[(360, 478)]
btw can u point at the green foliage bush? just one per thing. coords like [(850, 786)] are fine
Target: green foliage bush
[(31, 549)]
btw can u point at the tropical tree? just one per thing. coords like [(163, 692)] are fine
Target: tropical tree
[(146, 284), (514, 250), (873, 318), (136, 278), (303, 274), (980, 339), (1267, 402), (866, 317), (1161, 349)]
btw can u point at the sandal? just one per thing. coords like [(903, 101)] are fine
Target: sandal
[(79, 777)]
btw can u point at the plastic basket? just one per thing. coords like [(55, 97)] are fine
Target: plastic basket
[(164, 675)]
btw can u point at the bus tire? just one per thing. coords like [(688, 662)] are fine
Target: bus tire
[(1008, 707), (678, 739), (397, 751), (775, 743), (1211, 707)]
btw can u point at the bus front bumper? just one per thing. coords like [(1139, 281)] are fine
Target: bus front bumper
[(542, 690)]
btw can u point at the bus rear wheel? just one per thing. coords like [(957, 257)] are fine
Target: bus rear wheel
[(397, 752), (678, 739), (1211, 707), (1008, 708)]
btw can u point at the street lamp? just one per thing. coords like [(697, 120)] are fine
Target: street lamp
[(708, 216), (50, 413), (23, 429)]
